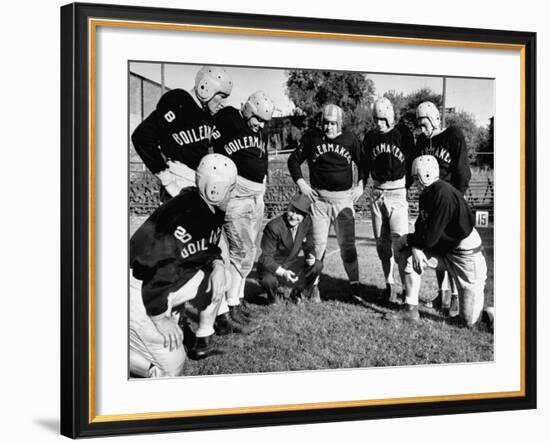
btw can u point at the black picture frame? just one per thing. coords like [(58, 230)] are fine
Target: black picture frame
[(77, 415)]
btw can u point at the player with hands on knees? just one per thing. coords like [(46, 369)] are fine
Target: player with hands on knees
[(330, 153)]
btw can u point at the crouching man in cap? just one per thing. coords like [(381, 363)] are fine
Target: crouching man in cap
[(444, 239), (279, 264)]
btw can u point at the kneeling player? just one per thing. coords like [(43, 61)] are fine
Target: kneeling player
[(444, 239), (174, 257)]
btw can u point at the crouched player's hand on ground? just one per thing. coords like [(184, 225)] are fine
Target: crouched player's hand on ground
[(169, 330), (290, 276)]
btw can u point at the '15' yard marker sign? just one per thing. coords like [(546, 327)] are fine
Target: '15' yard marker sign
[(482, 218)]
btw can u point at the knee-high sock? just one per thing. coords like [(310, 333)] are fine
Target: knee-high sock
[(452, 283), (233, 295), (224, 307), (412, 288), (352, 270), (245, 272), (207, 317), (471, 305), (387, 267), (443, 280)]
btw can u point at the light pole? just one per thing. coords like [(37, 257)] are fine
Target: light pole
[(443, 102)]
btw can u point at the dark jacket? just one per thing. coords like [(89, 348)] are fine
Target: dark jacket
[(387, 156), (237, 141), (444, 218), (278, 247), (178, 129), (450, 149)]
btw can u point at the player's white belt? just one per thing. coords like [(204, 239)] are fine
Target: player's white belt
[(463, 252), (334, 194), (390, 185), (469, 245)]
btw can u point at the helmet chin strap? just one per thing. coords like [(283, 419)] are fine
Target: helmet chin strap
[(435, 130), (430, 133), (202, 104)]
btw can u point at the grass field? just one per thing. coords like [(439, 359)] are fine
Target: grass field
[(339, 334)]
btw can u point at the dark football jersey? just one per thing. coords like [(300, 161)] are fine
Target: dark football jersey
[(386, 156), (450, 150), (329, 160), (178, 239), (180, 127), (444, 218), (247, 149)]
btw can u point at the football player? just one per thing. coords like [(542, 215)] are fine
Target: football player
[(448, 146), (386, 156), (330, 154), (243, 140), (172, 140), (444, 239), (174, 257)]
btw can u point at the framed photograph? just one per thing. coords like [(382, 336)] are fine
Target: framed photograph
[(273, 220)]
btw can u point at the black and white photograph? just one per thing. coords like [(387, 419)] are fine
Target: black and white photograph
[(285, 219), (290, 220)]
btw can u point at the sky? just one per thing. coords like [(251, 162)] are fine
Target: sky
[(472, 95), (469, 94)]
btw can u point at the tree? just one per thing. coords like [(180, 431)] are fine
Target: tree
[(485, 145), (399, 102), (408, 113), (311, 90), (465, 121)]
